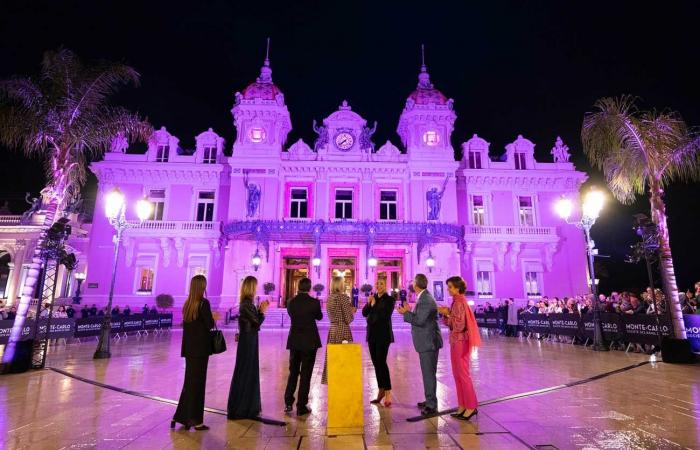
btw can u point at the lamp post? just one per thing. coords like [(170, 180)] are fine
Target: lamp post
[(430, 262), (257, 260), (592, 206), (115, 209), (79, 277)]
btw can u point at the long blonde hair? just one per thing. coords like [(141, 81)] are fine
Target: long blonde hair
[(338, 285), (198, 288), (248, 288)]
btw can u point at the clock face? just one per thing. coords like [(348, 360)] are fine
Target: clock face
[(344, 140)]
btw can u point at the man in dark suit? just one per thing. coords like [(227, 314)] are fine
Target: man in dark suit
[(427, 340), (302, 343)]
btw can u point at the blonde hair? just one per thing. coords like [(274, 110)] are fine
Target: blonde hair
[(248, 288), (198, 287), (338, 285)]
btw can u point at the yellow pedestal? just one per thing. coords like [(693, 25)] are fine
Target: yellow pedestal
[(345, 386)]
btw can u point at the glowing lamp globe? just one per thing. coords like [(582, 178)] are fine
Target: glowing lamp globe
[(316, 261), (256, 260), (114, 202), (372, 262), (593, 203), (80, 276), (430, 262), (564, 208), (144, 209)]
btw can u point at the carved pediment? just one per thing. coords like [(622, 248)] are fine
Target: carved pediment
[(301, 151), (387, 152)]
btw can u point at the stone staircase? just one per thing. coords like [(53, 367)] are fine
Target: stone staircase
[(277, 318)]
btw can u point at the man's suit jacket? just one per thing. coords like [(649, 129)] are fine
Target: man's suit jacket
[(304, 310), (425, 330)]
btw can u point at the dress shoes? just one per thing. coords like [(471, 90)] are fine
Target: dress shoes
[(303, 411), (288, 408), (428, 411), (420, 405)]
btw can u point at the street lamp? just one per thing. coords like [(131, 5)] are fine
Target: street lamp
[(430, 262), (593, 203), (79, 277), (257, 260), (115, 211), (372, 262)]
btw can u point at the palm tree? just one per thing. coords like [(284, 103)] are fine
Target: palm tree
[(640, 151), (64, 118)]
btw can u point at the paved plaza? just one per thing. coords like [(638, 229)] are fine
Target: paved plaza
[(652, 405)]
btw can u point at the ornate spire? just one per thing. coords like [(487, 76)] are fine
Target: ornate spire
[(424, 77), (265, 70)]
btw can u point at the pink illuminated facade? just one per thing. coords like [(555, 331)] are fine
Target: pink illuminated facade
[(338, 206)]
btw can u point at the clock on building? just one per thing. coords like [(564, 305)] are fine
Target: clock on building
[(344, 140)]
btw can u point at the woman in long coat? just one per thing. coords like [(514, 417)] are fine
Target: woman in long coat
[(464, 336), (244, 395), (196, 348), (340, 314)]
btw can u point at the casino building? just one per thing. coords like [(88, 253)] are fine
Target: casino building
[(338, 206)]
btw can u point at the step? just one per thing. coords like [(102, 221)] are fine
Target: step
[(278, 318)]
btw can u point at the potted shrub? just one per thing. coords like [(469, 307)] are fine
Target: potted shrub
[(164, 302), (318, 288), (268, 288), (366, 289)]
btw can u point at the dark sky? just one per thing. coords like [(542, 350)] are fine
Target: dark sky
[(531, 68)]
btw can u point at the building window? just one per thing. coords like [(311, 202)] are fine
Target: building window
[(387, 205), (484, 287), (205, 207), (145, 274), (256, 134), (157, 199), (475, 160), (209, 155), (520, 161), (343, 204), (299, 203), (431, 138), (163, 153), (197, 265), (532, 284), (478, 211), (526, 211)]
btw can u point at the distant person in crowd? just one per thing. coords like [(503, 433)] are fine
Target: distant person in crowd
[(464, 336), (355, 296), (488, 307), (12, 313), (303, 343), (101, 312), (3, 311), (127, 310), (154, 310), (340, 314), (70, 312), (244, 395), (196, 347), (380, 335), (84, 312), (116, 311), (60, 313), (93, 310), (636, 306), (45, 311), (502, 311), (512, 321), (531, 308), (145, 309), (427, 340)]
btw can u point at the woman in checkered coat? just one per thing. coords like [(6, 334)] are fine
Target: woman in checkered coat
[(340, 314)]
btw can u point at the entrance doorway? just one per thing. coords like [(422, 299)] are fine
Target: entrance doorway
[(294, 270), (390, 270), (343, 267)]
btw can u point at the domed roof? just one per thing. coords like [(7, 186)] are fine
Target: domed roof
[(425, 93), (263, 88)]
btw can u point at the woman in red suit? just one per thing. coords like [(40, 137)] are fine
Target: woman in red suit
[(464, 336)]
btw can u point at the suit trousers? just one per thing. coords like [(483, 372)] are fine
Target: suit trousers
[(301, 366), (459, 356), (428, 368), (379, 351)]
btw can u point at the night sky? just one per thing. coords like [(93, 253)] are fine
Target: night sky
[(530, 68)]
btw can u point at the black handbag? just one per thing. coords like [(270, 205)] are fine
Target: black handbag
[(218, 343)]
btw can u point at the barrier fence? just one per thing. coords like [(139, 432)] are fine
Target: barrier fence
[(90, 326), (637, 329)]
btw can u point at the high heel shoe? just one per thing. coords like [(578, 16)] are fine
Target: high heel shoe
[(458, 414), (387, 398), (466, 418), (172, 424), (379, 398), (201, 427)]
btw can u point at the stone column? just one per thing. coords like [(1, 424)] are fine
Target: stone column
[(16, 272)]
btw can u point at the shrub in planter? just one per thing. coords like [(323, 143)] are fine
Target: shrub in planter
[(268, 287), (366, 289), (318, 288), (164, 301)]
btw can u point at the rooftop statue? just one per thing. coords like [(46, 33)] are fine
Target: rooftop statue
[(560, 151), (434, 198), (366, 138), (33, 209), (253, 196), (322, 138)]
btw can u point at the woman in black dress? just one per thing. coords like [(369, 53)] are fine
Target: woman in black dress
[(380, 335), (244, 395), (196, 348)]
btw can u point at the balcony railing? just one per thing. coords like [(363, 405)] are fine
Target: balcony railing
[(173, 228), (496, 232), (10, 220)]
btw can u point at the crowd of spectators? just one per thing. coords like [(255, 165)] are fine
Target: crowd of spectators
[(92, 311)]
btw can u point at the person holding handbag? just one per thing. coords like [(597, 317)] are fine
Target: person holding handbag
[(464, 337), (244, 395), (196, 348)]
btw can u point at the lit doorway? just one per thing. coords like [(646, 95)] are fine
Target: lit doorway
[(343, 267), (294, 270), (390, 270)]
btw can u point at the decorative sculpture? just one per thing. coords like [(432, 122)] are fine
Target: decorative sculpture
[(434, 198), (119, 143), (366, 138), (253, 196), (560, 151), (322, 138), (33, 209)]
